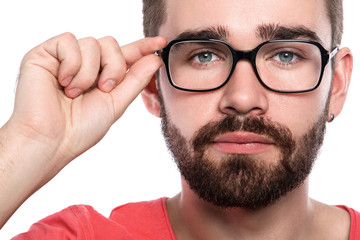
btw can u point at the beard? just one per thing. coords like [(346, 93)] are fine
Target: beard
[(239, 180)]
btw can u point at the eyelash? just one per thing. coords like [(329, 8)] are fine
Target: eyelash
[(276, 53), (197, 53)]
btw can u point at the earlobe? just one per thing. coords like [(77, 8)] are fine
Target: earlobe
[(150, 97), (341, 80)]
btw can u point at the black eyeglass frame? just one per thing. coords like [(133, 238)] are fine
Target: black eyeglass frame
[(250, 55)]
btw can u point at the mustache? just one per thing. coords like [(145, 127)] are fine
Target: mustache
[(279, 133)]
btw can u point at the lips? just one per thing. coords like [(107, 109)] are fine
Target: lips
[(242, 143)]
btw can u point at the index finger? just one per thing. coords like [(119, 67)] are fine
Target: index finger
[(134, 51)]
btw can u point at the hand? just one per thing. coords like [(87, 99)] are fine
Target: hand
[(69, 94), (74, 121)]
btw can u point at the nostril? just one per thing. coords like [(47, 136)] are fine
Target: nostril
[(231, 111)]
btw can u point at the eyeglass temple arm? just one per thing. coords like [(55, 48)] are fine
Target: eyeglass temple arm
[(333, 52)]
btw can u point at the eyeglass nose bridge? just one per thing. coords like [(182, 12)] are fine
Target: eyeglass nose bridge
[(249, 55), (244, 55)]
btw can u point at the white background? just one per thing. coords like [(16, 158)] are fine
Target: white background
[(131, 163)]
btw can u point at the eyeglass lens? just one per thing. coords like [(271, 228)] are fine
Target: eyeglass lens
[(282, 66)]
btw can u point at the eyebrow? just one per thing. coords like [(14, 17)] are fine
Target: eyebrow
[(218, 32), (277, 32), (266, 32)]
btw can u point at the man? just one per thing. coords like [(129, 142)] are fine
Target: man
[(243, 101)]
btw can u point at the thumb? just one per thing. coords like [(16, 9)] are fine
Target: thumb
[(136, 79)]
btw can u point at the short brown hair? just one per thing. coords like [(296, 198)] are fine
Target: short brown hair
[(154, 15), (154, 12), (335, 13)]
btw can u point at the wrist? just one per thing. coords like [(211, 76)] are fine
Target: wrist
[(25, 166)]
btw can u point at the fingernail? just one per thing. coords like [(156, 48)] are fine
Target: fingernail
[(65, 82), (108, 85), (73, 93)]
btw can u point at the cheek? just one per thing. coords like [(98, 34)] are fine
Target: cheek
[(188, 111), (300, 111)]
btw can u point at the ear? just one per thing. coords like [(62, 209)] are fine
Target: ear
[(150, 97), (341, 80)]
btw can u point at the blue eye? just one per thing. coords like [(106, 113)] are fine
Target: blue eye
[(285, 57), (206, 57)]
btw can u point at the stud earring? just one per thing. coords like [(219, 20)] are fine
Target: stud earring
[(332, 117)]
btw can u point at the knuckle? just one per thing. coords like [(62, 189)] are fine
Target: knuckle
[(111, 40), (90, 42), (68, 36)]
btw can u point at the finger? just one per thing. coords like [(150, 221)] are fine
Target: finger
[(135, 81), (136, 50), (65, 57), (113, 64), (89, 70)]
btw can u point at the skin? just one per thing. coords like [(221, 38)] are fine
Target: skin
[(295, 214), (48, 131)]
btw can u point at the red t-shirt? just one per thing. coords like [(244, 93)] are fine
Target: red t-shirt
[(135, 221), (355, 223)]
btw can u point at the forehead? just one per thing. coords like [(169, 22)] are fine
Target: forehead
[(242, 18)]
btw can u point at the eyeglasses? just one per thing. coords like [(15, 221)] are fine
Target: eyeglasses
[(285, 66)]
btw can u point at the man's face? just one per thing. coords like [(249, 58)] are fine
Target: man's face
[(242, 140)]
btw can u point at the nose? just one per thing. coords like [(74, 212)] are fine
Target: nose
[(243, 94)]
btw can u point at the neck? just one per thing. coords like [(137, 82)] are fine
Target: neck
[(194, 218)]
